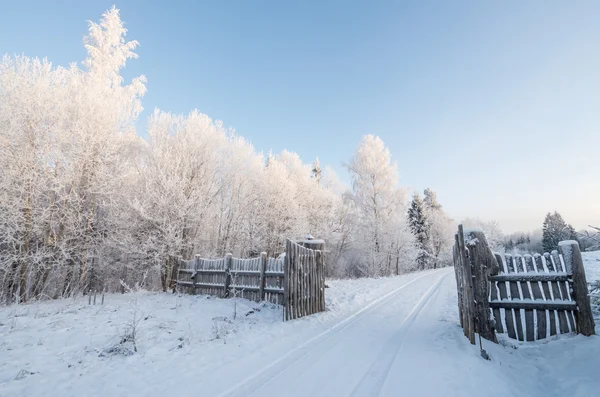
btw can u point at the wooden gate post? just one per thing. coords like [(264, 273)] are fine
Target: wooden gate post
[(467, 282), (483, 263), (574, 266), (195, 273), (228, 260), (286, 281), (263, 269)]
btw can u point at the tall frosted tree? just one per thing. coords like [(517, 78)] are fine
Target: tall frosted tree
[(69, 134), (381, 235)]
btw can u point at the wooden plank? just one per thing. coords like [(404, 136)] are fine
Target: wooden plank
[(549, 263), (529, 277), (294, 270), (262, 281), (494, 296), (300, 274), (519, 265), (459, 281), (320, 283), (290, 277), (468, 287), (201, 285), (498, 292), (286, 280), (529, 265), (556, 286), (515, 294), (554, 293), (584, 319), (195, 274), (313, 284), (504, 294), (536, 291), (526, 294), (556, 261), (546, 292), (457, 278), (531, 304), (228, 262)]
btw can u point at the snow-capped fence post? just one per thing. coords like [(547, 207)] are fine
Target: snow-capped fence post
[(263, 269), (228, 260), (483, 264), (574, 267)]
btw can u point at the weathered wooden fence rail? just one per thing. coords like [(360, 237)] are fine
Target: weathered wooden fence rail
[(296, 281), (529, 297)]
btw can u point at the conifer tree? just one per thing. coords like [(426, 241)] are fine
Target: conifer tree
[(554, 230), (419, 225)]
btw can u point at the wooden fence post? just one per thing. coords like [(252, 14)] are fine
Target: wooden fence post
[(263, 269), (574, 266), (468, 297), (458, 275), (321, 280), (228, 260), (194, 277), (483, 263), (287, 281)]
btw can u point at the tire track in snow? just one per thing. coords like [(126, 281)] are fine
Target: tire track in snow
[(258, 379), (372, 382)]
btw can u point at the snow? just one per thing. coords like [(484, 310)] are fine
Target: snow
[(386, 336), (472, 230), (591, 262), (568, 242)]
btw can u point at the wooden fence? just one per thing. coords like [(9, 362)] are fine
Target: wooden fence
[(304, 281), (529, 297), (258, 279)]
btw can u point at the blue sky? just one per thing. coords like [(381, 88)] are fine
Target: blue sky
[(495, 105)]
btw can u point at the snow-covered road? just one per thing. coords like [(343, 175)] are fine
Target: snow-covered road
[(396, 345), (370, 353)]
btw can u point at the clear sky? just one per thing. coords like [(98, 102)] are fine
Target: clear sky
[(495, 105)]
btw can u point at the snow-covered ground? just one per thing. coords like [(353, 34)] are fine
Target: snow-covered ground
[(591, 262), (390, 336)]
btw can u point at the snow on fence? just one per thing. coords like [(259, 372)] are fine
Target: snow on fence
[(258, 279), (528, 297)]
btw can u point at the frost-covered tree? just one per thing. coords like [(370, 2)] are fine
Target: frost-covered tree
[(86, 204), (381, 236), (441, 231), (554, 230), (63, 139), (491, 229)]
